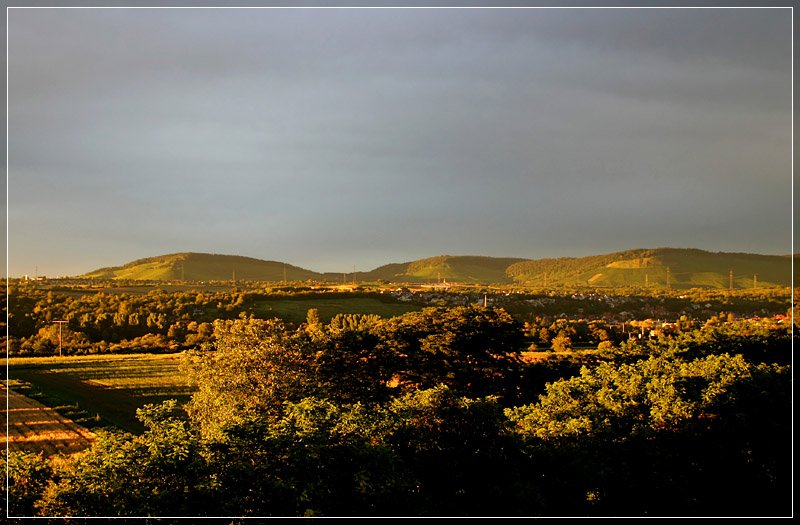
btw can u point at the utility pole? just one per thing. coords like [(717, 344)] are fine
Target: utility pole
[(755, 281), (545, 279), (59, 323), (730, 280), (646, 281), (234, 278), (668, 285)]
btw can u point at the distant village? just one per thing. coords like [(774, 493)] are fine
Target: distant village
[(575, 306)]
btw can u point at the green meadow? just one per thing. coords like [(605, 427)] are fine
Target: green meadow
[(295, 310)]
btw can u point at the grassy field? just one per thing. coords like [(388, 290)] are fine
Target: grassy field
[(295, 310), (110, 386)]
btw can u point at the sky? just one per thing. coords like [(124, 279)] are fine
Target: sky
[(341, 138)]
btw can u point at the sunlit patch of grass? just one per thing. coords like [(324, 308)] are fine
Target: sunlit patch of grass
[(295, 310), (137, 374)]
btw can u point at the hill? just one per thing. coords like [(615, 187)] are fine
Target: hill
[(674, 267), (453, 268), (204, 267)]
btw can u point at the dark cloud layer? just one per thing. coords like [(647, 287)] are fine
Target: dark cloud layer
[(329, 138)]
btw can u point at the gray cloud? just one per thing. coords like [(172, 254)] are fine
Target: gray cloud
[(336, 137)]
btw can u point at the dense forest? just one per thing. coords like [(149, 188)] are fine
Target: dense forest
[(436, 412)]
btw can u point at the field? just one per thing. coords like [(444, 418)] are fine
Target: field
[(295, 310), (34, 427), (110, 387)]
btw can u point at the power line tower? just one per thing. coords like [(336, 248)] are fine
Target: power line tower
[(59, 323)]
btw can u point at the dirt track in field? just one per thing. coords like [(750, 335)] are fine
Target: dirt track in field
[(33, 427)]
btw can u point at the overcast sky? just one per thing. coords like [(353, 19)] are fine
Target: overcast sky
[(333, 138)]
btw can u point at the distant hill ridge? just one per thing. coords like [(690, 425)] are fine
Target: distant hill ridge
[(203, 267), (673, 267)]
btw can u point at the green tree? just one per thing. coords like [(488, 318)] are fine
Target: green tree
[(313, 324), (159, 473), (473, 350), (544, 335), (561, 343), (662, 392), (251, 368), (28, 476)]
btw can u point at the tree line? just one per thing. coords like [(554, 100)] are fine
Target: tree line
[(162, 321)]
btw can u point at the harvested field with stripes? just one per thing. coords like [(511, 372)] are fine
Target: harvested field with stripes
[(33, 427), (108, 387)]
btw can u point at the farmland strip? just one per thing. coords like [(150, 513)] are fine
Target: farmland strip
[(33, 427), (115, 406)]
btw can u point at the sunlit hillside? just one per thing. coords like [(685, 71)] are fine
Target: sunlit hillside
[(661, 267), (466, 269), (673, 267), (204, 267)]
